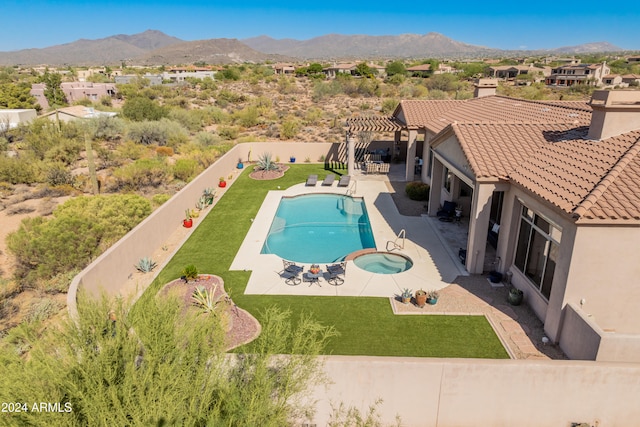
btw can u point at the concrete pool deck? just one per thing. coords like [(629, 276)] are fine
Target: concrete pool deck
[(434, 267)]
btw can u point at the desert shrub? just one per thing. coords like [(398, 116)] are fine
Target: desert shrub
[(323, 90), (19, 209), (67, 151), (58, 174), (189, 119), (228, 132), (417, 190), (229, 97), (246, 117), (163, 132), (290, 128), (164, 151), (17, 170), (130, 150), (206, 138), (142, 173), (42, 309), (159, 199), (389, 105), (186, 169), (140, 109), (79, 231), (211, 115), (107, 128)]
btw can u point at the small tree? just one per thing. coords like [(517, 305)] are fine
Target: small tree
[(395, 67)]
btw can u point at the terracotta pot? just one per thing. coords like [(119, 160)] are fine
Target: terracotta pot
[(222, 184), (187, 223), (421, 300)]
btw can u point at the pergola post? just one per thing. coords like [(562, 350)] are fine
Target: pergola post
[(351, 154)]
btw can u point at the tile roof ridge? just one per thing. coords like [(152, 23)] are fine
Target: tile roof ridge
[(595, 194), (550, 102)]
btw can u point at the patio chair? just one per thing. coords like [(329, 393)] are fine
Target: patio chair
[(344, 181), (311, 180), (328, 180), (291, 273), (335, 274), (448, 211)]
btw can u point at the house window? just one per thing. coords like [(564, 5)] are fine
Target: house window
[(537, 249), (447, 179)]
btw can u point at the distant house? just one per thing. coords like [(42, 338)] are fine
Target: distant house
[(283, 69), (83, 75), (336, 69), (569, 75), (446, 69), (76, 112), (11, 118), (179, 74), (153, 79), (510, 72), (76, 91), (37, 91), (611, 80), (422, 70), (633, 59), (631, 79)]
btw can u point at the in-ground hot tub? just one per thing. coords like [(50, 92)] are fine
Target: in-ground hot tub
[(383, 262)]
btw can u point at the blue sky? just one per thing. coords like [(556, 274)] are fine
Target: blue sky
[(503, 25)]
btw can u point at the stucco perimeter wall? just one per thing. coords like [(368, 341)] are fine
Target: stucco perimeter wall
[(110, 270), (581, 336), (463, 392)]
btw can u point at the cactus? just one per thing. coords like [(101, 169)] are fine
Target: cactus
[(146, 265)]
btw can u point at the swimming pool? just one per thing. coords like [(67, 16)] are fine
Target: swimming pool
[(319, 228)]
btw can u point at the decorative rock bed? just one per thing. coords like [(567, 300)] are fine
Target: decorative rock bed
[(242, 327)]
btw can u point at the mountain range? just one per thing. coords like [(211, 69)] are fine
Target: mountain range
[(154, 47)]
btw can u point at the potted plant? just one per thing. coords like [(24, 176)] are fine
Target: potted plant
[(187, 222), (421, 298), (515, 296), (432, 297), (208, 194), (406, 296), (240, 165), (292, 159), (222, 183), (314, 269)]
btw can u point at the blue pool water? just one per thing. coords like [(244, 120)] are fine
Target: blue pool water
[(383, 263), (319, 228)]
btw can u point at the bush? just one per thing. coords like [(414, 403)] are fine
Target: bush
[(163, 132), (17, 170), (79, 231), (140, 109), (142, 173), (290, 128), (417, 190), (186, 169)]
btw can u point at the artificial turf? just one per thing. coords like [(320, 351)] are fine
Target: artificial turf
[(366, 325)]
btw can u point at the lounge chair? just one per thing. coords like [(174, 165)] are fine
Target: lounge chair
[(335, 274), (291, 273), (344, 181), (447, 212), (311, 180), (328, 180)]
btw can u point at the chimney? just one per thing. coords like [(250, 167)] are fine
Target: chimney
[(485, 87), (614, 112)]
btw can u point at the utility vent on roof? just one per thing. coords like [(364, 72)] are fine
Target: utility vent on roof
[(573, 115), (544, 110), (517, 105)]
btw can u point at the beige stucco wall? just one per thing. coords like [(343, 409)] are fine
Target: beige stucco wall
[(605, 272), (581, 336), (429, 392)]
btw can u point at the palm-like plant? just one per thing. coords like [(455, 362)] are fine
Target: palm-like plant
[(265, 163), (206, 299)]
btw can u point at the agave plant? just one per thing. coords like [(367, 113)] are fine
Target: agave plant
[(206, 299), (201, 203), (146, 265), (265, 163)]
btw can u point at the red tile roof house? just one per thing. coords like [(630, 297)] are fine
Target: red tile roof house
[(557, 185)]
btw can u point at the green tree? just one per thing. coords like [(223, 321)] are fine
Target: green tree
[(395, 67), (79, 231), (362, 69), (52, 91), (17, 95), (139, 109)]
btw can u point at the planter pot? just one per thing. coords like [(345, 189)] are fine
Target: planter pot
[(495, 277), (240, 165), (515, 296), (209, 201), (421, 300), (187, 223), (222, 184), (292, 159), (432, 301), (406, 300)]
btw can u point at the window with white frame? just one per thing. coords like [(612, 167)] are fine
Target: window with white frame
[(537, 249)]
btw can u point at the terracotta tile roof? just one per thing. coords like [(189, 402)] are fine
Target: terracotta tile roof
[(592, 180), (435, 115)]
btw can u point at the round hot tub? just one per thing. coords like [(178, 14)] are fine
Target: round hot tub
[(383, 262)]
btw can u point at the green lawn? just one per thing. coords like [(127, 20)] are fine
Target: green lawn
[(366, 325)]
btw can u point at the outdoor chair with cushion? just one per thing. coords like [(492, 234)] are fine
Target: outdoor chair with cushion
[(311, 180), (344, 181), (448, 211), (335, 274), (328, 180), (291, 273)]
